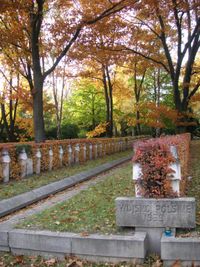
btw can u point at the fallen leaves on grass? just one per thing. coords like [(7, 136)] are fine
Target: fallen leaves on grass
[(50, 262), (75, 264), (158, 263)]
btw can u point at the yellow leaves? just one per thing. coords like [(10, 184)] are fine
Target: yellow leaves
[(100, 129), (26, 125), (195, 98)]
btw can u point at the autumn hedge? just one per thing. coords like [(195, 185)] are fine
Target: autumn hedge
[(100, 147), (155, 158)]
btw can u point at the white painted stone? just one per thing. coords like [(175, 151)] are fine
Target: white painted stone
[(95, 151), (29, 167), (23, 162), (70, 159), (90, 147), (137, 173), (5, 162), (175, 184), (100, 149), (176, 167), (176, 175), (61, 152), (77, 152), (84, 152), (50, 159), (174, 152), (38, 156)]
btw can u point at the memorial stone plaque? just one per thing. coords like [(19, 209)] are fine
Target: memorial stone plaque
[(144, 212)]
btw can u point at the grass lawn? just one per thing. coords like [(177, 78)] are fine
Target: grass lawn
[(91, 211), (14, 188)]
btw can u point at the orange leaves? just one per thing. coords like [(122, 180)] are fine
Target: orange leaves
[(155, 158), (100, 129)]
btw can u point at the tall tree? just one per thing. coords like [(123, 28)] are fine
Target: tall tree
[(9, 98), (29, 29), (86, 105), (168, 35)]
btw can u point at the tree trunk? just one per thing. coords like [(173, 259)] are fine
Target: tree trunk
[(110, 89), (38, 118), (107, 102), (138, 124)]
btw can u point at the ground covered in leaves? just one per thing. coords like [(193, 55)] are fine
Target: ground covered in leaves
[(14, 187), (91, 211), (8, 260)]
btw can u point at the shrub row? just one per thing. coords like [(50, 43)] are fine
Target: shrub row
[(100, 148)]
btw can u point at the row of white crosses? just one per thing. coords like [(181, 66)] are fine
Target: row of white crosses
[(26, 162), (175, 177)]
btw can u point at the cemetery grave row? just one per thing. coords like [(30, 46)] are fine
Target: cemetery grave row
[(23, 159)]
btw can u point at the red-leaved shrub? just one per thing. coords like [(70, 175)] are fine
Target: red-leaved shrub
[(154, 157)]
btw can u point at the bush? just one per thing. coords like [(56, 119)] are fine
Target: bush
[(155, 157)]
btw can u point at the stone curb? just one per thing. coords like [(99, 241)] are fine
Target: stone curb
[(185, 249), (113, 248), (15, 203)]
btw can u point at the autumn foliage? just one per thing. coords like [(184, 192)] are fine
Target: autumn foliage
[(155, 159)]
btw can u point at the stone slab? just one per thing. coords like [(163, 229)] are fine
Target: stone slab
[(12, 204), (149, 212), (124, 247), (15, 203), (113, 248), (4, 240), (153, 239), (44, 241), (187, 250)]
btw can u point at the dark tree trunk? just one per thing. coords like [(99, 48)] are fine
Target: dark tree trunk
[(110, 89), (39, 131), (109, 109), (138, 127)]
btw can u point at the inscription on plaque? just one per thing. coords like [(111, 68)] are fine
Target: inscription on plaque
[(154, 212)]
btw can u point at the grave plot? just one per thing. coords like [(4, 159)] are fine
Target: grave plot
[(90, 211), (87, 225)]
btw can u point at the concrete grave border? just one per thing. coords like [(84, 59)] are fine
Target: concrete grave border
[(112, 248), (185, 249), (20, 201)]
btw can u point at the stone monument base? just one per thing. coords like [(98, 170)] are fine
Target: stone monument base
[(155, 216)]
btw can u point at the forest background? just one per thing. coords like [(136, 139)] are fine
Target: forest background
[(98, 68)]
